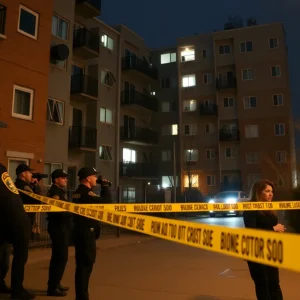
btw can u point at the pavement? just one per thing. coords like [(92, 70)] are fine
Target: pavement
[(138, 267)]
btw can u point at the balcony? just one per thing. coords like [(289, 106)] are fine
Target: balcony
[(138, 170), (209, 110), (226, 83), (229, 135), (82, 137), (86, 44), (88, 8), (2, 22), (139, 67), (139, 136), (84, 88), (231, 186), (139, 99)]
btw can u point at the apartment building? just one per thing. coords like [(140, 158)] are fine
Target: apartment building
[(138, 135), (234, 123), (25, 33)]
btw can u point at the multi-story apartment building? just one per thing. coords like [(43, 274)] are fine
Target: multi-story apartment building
[(25, 33), (138, 137), (234, 109)]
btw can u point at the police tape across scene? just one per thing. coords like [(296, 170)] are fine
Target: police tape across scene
[(270, 248), (178, 207)]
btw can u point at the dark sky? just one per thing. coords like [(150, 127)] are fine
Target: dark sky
[(161, 22)]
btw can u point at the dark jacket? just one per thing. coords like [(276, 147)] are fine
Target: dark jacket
[(58, 218), (23, 185), (260, 219), (85, 195)]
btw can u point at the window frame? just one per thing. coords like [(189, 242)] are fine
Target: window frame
[(35, 37), (63, 113), (170, 54), (211, 126), (273, 38), (253, 154), (26, 90), (249, 126), (208, 75), (191, 126), (229, 98), (105, 122), (213, 182), (247, 69), (210, 151), (232, 152), (68, 28), (107, 38), (194, 151), (188, 76), (105, 146), (224, 47), (249, 102), (23, 160), (245, 42), (279, 154), (279, 68), (277, 100), (168, 155), (110, 77), (279, 127)]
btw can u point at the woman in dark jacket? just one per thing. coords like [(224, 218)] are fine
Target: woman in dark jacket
[(266, 278)]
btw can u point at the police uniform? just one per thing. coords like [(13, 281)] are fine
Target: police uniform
[(86, 232), (58, 229), (23, 185), (4, 267), (14, 226)]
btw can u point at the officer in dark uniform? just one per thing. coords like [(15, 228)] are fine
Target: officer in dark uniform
[(4, 267), (86, 231), (14, 225), (23, 182), (58, 229)]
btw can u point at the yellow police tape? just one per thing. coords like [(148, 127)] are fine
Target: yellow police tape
[(267, 247), (178, 207)]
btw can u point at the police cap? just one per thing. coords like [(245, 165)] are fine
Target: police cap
[(58, 173), (22, 168), (86, 172)]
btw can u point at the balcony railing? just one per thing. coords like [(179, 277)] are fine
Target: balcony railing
[(140, 65), (141, 170), (140, 99), (95, 3), (229, 134), (139, 135), (86, 38), (82, 137), (231, 186), (211, 109), (88, 8), (226, 83), (2, 19), (83, 84)]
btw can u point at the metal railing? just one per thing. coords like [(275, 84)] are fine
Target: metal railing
[(95, 3), (211, 109), (229, 134), (86, 38), (134, 97), (2, 19), (82, 137), (84, 84), (141, 170), (226, 83), (139, 134)]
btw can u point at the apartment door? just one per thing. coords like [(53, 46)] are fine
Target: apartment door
[(77, 129), (129, 92), (129, 127)]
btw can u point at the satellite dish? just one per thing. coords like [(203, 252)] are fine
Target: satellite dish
[(59, 52)]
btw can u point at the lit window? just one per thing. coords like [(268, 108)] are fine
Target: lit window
[(191, 180), (107, 78), (191, 155), (105, 152), (189, 105), (129, 194), (105, 115), (188, 80), (167, 58), (107, 42), (129, 155), (174, 129), (168, 181), (187, 54), (60, 27)]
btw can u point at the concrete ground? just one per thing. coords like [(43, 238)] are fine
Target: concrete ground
[(137, 267)]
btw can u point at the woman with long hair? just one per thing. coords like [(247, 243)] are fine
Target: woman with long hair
[(266, 278)]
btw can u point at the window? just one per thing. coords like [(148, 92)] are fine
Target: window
[(107, 42), (246, 46), (190, 129), (229, 102), (224, 49), (191, 155), (191, 180), (230, 152), (128, 194), (48, 169), (207, 78), (105, 152), (279, 129), (165, 83), (209, 128), (22, 103), (60, 27), (167, 58), (28, 22), (277, 100), (249, 102), (166, 155), (211, 153), (188, 80), (252, 178), (189, 105), (273, 43), (165, 106), (107, 78), (251, 131), (168, 181), (55, 111), (252, 157), (129, 155), (211, 180), (105, 115), (204, 53), (12, 165), (248, 74), (62, 64), (281, 156), (170, 129), (275, 71), (187, 54)]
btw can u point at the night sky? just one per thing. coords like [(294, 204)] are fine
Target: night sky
[(161, 22)]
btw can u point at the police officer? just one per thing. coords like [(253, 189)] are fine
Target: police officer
[(14, 225), (4, 267), (23, 182), (86, 231), (58, 229)]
